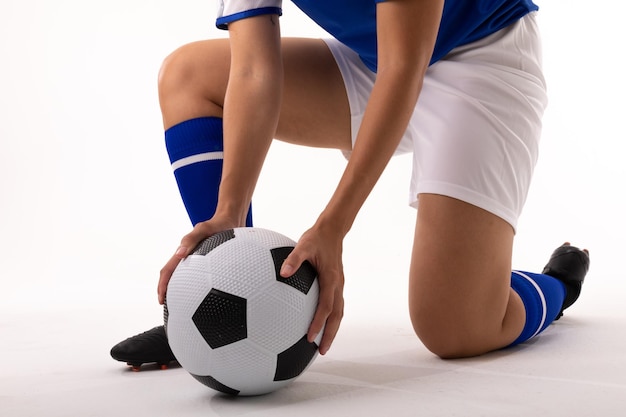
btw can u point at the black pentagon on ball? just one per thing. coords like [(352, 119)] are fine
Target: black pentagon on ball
[(304, 277), (210, 243), (211, 382), (294, 360), (221, 318)]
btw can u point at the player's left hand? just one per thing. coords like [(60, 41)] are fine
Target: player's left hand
[(322, 247)]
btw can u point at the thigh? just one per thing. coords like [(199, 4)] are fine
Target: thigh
[(459, 294), (314, 111)]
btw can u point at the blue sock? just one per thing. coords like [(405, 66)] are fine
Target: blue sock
[(195, 148), (543, 298)]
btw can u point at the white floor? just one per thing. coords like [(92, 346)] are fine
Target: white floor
[(56, 363)]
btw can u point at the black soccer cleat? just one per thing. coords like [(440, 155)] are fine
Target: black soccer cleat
[(569, 265), (147, 347)]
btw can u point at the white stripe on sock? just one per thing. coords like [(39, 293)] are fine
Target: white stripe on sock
[(543, 301), (201, 157)]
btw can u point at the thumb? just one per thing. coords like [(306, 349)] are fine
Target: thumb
[(291, 264)]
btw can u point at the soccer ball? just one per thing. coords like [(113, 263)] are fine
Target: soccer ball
[(233, 322)]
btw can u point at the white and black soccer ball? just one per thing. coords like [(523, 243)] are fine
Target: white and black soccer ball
[(233, 322)]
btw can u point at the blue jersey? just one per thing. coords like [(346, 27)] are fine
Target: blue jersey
[(353, 22)]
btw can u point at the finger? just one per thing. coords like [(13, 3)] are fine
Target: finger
[(192, 239), (189, 241), (327, 317), (166, 272), (330, 331), (292, 263)]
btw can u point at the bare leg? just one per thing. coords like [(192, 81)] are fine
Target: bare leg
[(460, 298), (315, 112)]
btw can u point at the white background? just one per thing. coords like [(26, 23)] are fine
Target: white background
[(89, 210), (89, 213)]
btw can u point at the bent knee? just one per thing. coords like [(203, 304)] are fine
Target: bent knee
[(192, 81), (451, 337), (177, 70), (198, 67)]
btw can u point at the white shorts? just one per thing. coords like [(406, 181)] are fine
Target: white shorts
[(475, 131)]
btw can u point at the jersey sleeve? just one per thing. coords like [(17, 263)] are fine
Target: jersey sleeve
[(232, 10)]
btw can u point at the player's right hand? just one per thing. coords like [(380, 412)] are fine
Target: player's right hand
[(188, 243)]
